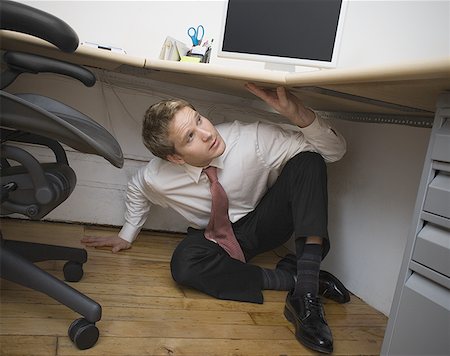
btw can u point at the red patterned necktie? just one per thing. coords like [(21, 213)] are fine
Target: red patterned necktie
[(219, 227)]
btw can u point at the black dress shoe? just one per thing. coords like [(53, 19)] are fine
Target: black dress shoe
[(329, 286), (311, 328)]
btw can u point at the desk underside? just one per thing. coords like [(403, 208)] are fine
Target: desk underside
[(409, 89)]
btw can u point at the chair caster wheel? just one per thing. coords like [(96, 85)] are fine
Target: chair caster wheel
[(73, 271), (83, 333)]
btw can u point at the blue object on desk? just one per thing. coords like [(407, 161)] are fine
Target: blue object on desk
[(196, 34)]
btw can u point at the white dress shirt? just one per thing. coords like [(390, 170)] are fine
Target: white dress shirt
[(254, 156)]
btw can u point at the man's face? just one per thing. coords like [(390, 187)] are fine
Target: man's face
[(195, 138)]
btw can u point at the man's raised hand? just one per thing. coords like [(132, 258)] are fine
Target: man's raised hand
[(285, 103)]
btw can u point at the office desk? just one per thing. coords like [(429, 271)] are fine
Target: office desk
[(406, 91), (402, 93)]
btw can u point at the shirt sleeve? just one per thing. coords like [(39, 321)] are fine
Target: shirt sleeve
[(137, 206), (325, 140), (277, 143)]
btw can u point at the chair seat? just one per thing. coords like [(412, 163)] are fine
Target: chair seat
[(50, 118)]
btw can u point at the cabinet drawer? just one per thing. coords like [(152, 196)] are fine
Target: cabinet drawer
[(432, 248), (437, 200), (441, 147), (422, 326)]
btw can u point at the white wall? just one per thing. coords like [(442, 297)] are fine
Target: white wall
[(372, 193), (375, 31), (372, 189)]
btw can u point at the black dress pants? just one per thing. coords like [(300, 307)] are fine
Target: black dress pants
[(296, 204)]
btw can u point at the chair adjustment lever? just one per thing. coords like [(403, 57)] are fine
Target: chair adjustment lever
[(6, 189)]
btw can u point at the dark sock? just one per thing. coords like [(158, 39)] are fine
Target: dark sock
[(308, 268), (277, 279)]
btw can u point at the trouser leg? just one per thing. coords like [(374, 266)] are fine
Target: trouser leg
[(205, 266), (296, 203)]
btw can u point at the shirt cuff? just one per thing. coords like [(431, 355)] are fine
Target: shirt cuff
[(313, 128), (129, 232)]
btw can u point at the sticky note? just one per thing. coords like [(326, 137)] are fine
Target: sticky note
[(190, 59)]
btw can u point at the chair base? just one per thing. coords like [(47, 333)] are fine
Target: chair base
[(16, 265)]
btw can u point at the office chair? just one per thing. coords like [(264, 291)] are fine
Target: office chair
[(32, 188)]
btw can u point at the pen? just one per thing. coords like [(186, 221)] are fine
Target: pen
[(105, 47)]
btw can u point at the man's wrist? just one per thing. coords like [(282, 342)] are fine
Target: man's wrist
[(128, 232), (305, 118)]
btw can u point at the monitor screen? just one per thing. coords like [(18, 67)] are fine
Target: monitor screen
[(294, 32)]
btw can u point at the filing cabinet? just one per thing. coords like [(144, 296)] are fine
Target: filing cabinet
[(419, 320)]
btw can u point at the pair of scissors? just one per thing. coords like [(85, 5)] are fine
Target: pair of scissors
[(196, 34)]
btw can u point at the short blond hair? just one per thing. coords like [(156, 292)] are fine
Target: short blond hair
[(155, 128)]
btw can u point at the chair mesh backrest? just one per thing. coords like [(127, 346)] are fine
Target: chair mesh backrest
[(19, 17)]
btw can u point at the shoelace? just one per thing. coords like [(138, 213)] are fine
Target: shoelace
[(314, 305), (314, 302)]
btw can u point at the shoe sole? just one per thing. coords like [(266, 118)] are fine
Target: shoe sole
[(291, 318)]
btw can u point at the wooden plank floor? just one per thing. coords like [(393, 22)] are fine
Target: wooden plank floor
[(146, 313)]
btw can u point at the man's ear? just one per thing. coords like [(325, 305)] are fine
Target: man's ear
[(174, 158)]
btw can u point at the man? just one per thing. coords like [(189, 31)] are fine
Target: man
[(276, 185)]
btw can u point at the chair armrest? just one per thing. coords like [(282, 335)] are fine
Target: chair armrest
[(19, 62)]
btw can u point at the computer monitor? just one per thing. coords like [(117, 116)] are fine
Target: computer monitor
[(287, 32)]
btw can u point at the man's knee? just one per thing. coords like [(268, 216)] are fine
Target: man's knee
[(189, 260), (307, 164), (311, 159)]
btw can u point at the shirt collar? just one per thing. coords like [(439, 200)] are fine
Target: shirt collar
[(195, 172)]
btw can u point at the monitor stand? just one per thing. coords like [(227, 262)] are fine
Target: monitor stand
[(279, 67), (290, 68)]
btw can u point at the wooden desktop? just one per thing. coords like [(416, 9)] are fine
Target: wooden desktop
[(404, 90)]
